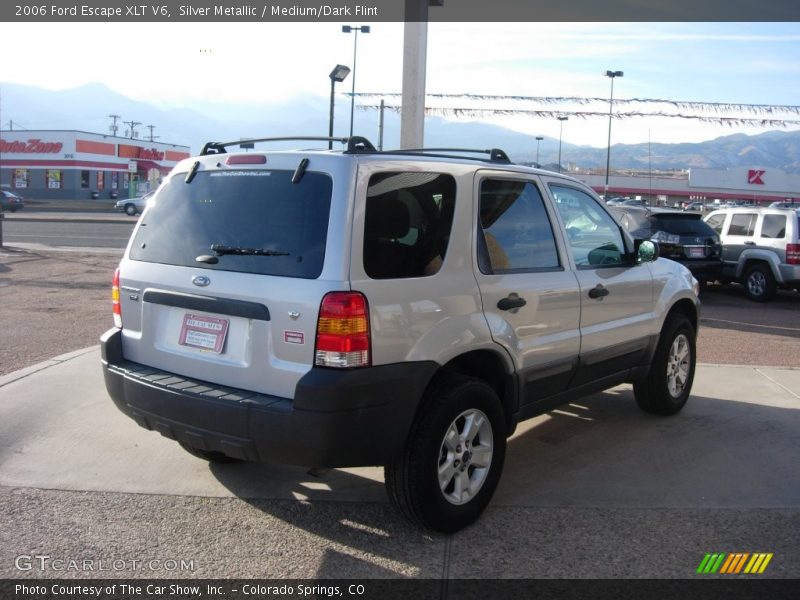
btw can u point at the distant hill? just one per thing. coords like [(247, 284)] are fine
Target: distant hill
[(87, 108)]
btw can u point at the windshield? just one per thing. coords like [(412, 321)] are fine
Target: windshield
[(248, 209)]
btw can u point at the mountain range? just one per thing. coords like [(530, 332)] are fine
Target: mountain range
[(87, 108)]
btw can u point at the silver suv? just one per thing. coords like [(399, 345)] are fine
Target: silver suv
[(760, 248), (402, 308)]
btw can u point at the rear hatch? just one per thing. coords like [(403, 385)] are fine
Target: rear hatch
[(685, 237), (225, 272)]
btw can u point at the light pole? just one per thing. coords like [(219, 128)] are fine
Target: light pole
[(612, 75), (538, 140), (338, 74), (348, 29), (560, 131)]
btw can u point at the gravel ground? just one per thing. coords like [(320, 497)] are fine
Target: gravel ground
[(52, 302)]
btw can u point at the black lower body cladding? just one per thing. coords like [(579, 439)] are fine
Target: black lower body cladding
[(338, 418)]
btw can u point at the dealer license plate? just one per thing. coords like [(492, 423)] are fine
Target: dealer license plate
[(206, 333), (697, 252)]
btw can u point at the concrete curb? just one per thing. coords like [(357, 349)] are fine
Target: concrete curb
[(41, 366)]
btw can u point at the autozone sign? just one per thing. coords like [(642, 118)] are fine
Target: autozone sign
[(755, 176), (32, 146)]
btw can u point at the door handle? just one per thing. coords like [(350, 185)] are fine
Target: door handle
[(749, 243), (598, 292), (511, 302)]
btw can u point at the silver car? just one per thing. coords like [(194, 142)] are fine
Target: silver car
[(134, 206), (396, 308), (760, 248)]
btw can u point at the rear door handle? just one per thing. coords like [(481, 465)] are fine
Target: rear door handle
[(511, 302), (749, 243), (598, 292)]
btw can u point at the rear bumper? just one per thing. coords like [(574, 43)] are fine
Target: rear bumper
[(708, 270), (337, 418)]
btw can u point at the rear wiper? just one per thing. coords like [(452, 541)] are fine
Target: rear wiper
[(221, 250)]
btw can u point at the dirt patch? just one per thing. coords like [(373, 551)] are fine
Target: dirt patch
[(51, 303)]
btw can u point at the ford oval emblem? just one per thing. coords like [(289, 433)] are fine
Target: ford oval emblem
[(201, 280)]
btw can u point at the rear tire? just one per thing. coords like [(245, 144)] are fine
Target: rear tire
[(759, 283), (668, 384), (210, 455), (453, 457), (130, 210)]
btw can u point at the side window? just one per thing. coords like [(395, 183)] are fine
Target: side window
[(407, 224), (774, 227), (716, 222), (516, 232), (593, 236), (742, 224)]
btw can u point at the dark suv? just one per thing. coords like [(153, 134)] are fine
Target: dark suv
[(681, 236)]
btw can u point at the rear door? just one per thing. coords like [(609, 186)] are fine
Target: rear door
[(225, 274), (616, 299), (530, 295)]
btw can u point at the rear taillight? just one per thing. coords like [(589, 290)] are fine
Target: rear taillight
[(343, 331), (793, 254), (115, 305)]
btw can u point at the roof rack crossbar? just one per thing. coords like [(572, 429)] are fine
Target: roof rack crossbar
[(495, 154), (355, 144)]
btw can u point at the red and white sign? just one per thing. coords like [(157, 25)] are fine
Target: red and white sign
[(31, 146), (754, 176), (206, 333), (294, 337)]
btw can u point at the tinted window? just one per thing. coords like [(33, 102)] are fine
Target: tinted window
[(594, 237), (251, 209), (517, 234), (742, 224), (407, 224), (680, 225), (773, 226)]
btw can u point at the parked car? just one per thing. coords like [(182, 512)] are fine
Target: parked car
[(351, 308), (634, 202), (134, 206), (760, 248), (682, 236), (10, 201), (794, 205), (694, 206)]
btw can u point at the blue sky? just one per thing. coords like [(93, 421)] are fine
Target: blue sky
[(258, 62)]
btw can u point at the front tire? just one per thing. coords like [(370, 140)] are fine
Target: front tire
[(453, 458), (666, 388), (759, 283), (130, 210)]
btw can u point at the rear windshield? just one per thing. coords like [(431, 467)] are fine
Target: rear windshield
[(240, 212), (681, 225)]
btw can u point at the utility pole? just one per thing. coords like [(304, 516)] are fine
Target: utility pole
[(152, 137), (113, 128), (133, 125)]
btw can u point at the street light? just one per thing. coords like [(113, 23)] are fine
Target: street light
[(560, 131), (338, 74), (348, 29), (538, 139), (612, 75)]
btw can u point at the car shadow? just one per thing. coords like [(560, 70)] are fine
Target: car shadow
[(599, 452)]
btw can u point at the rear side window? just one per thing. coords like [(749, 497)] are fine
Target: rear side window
[(742, 224), (716, 222), (774, 227), (517, 234), (258, 221), (407, 224)]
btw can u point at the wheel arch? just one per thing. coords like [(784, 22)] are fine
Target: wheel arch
[(687, 309), (490, 367)]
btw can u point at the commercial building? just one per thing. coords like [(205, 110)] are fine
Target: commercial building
[(79, 165), (759, 185)]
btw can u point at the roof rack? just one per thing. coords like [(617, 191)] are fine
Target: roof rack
[(495, 154), (355, 144)]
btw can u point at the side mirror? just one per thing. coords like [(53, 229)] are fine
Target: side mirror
[(646, 251)]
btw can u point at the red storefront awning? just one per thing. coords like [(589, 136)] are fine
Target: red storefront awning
[(146, 165)]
